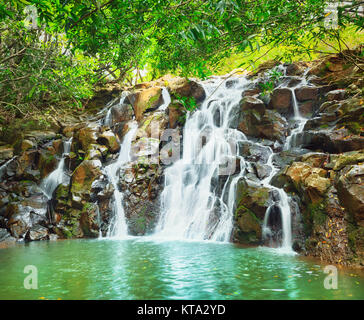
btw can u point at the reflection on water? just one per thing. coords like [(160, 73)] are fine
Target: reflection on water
[(141, 268)]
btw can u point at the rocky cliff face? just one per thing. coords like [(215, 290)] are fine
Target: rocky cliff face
[(322, 172)]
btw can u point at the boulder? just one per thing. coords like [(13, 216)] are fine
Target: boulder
[(120, 113), (306, 93), (281, 101), (85, 137), (6, 153), (152, 126), (144, 100), (84, 175), (89, 221), (109, 139), (350, 189), (183, 87), (252, 196), (27, 144), (175, 112), (334, 95), (251, 103), (37, 233), (270, 126)]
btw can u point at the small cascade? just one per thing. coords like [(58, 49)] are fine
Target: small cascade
[(56, 177), (191, 196), (99, 219), (108, 117), (193, 203), (166, 100), (118, 227)]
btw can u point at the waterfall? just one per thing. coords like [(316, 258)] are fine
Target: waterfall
[(166, 99), (56, 177), (192, 206), (118, 227), (108, 117)]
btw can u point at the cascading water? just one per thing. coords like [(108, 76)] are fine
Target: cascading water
[(191, 196), (56, 177), (118, 227)]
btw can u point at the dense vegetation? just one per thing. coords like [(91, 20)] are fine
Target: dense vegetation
[(52, 52)]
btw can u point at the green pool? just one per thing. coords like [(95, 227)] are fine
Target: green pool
[(145, 269)]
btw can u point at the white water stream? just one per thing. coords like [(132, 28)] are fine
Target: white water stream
[(118, 227), (56, 177)]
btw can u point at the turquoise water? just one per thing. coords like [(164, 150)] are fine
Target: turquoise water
[(143, 269)]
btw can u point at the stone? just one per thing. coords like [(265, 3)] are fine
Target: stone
[(85, 137), (109, 139), (281, 100), (350, 187), (84, 175), (121, 113), (306, 93), (270, 126), (37, 233), (27, 144), (152, 126), (183, 87), (175, 112), (6, 153), (89, 223), (251, 103), (339, 94), (144, 100), (253, 197)]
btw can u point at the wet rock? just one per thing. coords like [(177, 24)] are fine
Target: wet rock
[(47, 163), (121, 113), (308, 181), (152, 126), (84, 175), (254, 152), (27, 144), (253, 197), (315, 159), (182, 87), (40, 136), (332, 141), (251, 92), (281, 101), (339, 94), (350, 189), (6, 153), (5, 236), (26, 166), (85, 137), (175, 113), (144, 100), (58, 146), (89, 220), (271, 125), (142, 185), (307, 93), (25, 214), (37, 233), (145, 148), (294, 69), (109, 139), (339, 161), (251, 103)]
